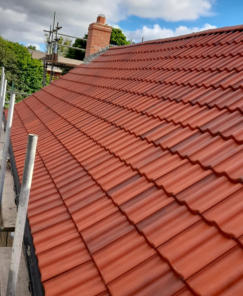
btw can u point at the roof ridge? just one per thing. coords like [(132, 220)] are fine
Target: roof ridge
[(185, 36)]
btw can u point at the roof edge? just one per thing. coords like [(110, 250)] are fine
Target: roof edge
[(185, 36)]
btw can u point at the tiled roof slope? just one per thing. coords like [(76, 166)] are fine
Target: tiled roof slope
[(137, 188)]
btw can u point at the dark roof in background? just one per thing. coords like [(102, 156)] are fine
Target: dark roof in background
[(137, 188)]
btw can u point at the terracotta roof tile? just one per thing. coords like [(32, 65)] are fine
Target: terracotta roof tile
[(159, 280), (81, 280), (122, 255), (166, 223), (192, 246), (137, 187), (62, 258), (226, 273)]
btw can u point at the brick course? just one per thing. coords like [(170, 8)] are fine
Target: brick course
[(98, 36)]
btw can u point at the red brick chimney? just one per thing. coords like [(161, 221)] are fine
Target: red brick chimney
[(98, 36)]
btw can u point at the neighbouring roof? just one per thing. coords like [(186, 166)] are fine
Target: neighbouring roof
[(137, 187), (68, 62), (37, 54), (40, 55)]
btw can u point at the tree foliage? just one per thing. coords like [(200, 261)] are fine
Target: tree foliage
[(33, 47), (77, 54), (118, 37), (62, 50), (20, 68)]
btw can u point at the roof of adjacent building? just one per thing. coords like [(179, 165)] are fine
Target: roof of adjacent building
[(137, 187), (40, 55), (68, 61)]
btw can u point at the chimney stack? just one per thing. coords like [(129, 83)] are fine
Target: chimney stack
[(98, 36)]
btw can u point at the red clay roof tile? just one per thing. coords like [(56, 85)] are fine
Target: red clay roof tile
[(222, 277), (159, 279), (81, 280), (191, 246), (137, 187)]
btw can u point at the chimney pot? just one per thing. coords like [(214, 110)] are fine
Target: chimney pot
[(101, 19)]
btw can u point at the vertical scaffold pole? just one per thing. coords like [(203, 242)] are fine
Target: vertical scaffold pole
[(2, 103), (6, 145), (21, 215), (2, 82)]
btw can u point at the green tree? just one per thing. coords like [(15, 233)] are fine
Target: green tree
[(63, 50), (77, 54), (33, 47), (21, 69), (118, 37)]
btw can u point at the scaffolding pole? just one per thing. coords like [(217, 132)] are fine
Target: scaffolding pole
[(6, 146), (2, 103), (2, 82), (21, 215)]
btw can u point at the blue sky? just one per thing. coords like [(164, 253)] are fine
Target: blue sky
[(223, 13), (24, 20)]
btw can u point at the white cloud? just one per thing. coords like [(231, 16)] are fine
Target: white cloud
[(24, 20), (170, 10), (156, 32), (16, 26)]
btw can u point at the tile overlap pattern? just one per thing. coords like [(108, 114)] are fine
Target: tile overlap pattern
[(137, 187)]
